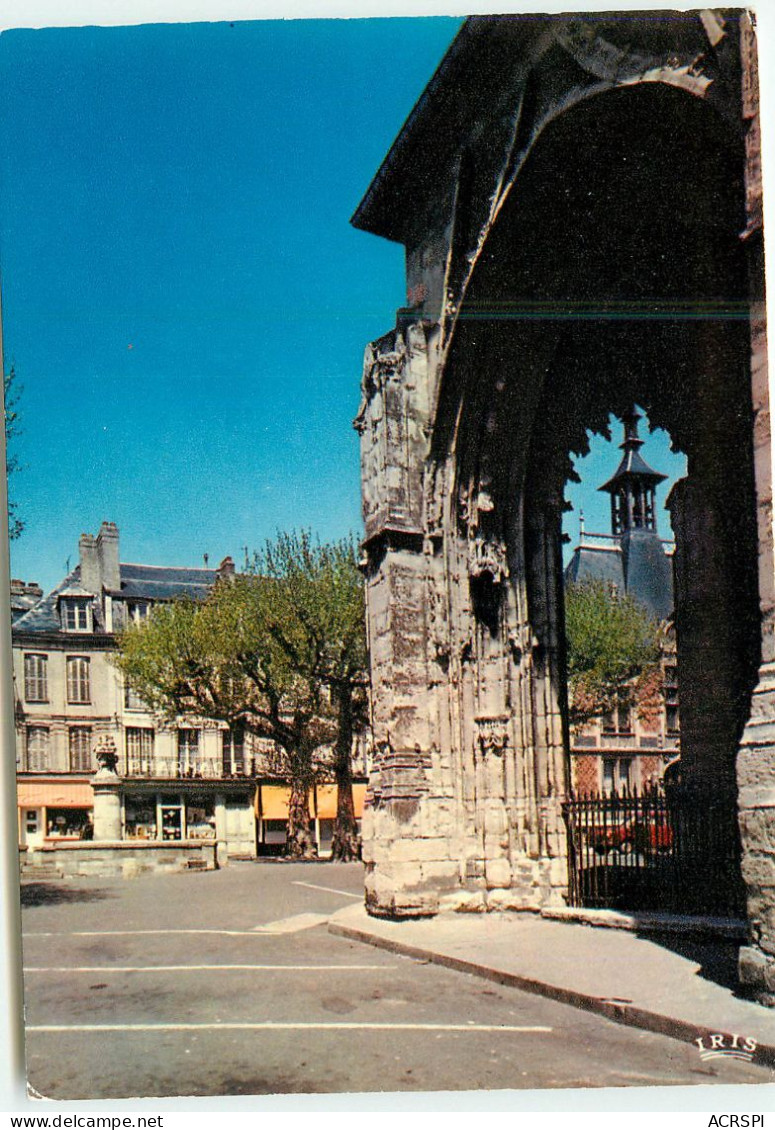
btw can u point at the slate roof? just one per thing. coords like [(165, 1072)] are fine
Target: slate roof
[(638, 566), (138, 582), (21, 603), (593, 563), (649, 572), (44, 617), (157, 582)]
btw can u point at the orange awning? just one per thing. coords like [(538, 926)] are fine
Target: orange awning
[(326, 795), (54, 794), (272, 801)]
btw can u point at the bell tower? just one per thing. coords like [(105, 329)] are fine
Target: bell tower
[(633, 486)]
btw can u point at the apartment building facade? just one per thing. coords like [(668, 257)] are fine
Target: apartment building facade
[(181, 780)]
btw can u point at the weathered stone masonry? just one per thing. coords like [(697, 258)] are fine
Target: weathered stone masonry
[(580, 202)]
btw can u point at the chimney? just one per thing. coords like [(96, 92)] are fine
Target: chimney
[(26, 588), (225, 570), (107, 553), (90, 566)]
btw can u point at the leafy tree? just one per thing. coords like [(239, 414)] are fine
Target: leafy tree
[(612, 641), (280, 652), (11, 394), (316, 618)]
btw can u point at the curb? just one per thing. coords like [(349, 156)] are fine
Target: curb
[(648, 922), (619, 1011)]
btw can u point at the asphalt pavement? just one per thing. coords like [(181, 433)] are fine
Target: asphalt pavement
[(230, 983)]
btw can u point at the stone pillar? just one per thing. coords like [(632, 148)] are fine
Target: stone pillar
[(705, 629), (756, 759), (107, 807), (106, 785), (406, 845)]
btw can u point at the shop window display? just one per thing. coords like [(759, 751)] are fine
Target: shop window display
[(200, 819), (140, 818), (67, 823), (171, 818)]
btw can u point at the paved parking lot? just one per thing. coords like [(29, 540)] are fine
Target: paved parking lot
[(229, 983)]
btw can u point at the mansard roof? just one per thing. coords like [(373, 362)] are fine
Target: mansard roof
[(635, 564), (138, 582), (44, 617)]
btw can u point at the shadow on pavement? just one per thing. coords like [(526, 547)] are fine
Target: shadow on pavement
[(47, 894), (717, 959)]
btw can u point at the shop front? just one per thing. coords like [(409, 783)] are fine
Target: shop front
[(54, 810), (191, 813)]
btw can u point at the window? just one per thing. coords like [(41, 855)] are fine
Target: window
[(233, 752), (618, 720), (37, 749), (188, 753), (200, 819), (171, 811), (80, 749), (35, 678), (138, 610), (624, 712), (67, 823), (618, 773), (76, 615), (139, 751), (671, 700), (78, 680), (140, 817)]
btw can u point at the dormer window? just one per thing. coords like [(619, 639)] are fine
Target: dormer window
[(76, 614)]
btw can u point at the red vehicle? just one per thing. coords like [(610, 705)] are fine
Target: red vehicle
[(651, 838), (610, 837), (627, 836)]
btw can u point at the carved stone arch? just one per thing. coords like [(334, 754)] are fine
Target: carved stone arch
[(681, 96), (583, 214), (567, 310)]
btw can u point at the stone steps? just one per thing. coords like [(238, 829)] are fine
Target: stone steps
[(40, 872)]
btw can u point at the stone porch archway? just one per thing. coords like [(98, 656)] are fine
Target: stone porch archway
[(593, 260)]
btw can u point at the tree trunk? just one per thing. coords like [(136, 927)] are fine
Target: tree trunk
[(300, 841), (346, 844)]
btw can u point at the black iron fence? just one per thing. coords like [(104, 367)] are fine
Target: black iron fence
[(650, 851)]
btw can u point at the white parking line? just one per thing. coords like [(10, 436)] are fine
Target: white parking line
[(199, 968), (132, 933), (263, 1025), (293, 924), (331, 890)]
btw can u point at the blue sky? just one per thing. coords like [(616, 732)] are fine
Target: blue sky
[(184, 300)]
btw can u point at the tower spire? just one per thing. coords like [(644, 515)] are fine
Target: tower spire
[(632, 487)]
